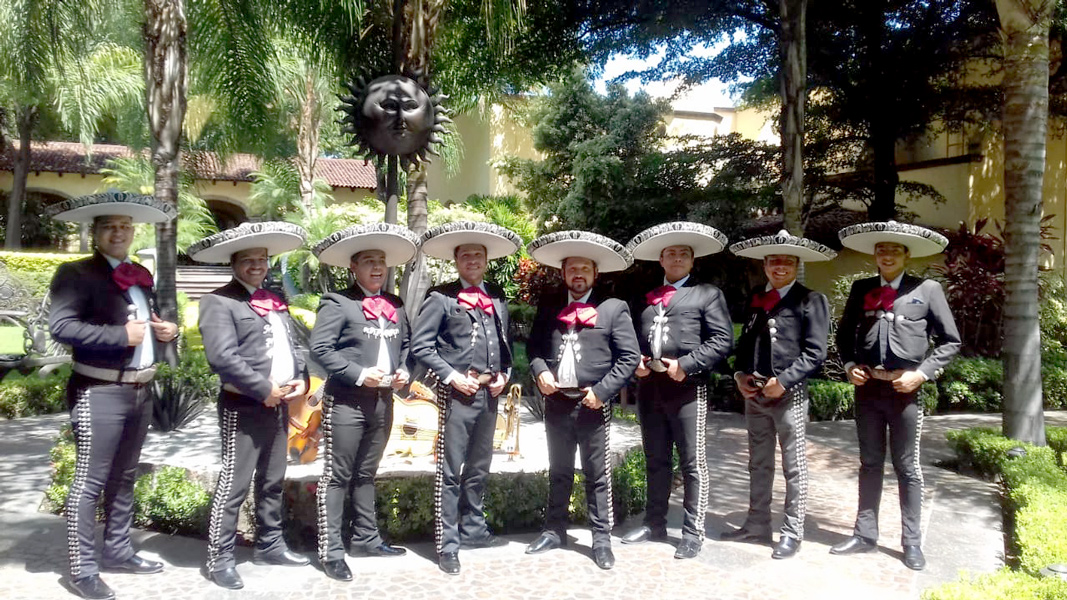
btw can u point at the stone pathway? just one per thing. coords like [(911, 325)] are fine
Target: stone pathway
[(961, 531)]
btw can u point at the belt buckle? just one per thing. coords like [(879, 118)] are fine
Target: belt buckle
[(385, 381), (482, 378)]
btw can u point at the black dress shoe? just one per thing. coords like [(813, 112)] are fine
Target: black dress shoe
[(545, 542), (449, 562), (787, 546), (489, 541), (227, 578), (135, 564), (687, 549), (287, 558), (91, 587), (853, 545), (382, 549), (643, 534), (913, 558), (746, 535), (337, 569), (603, 557)]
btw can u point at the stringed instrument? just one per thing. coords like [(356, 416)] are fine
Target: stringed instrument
[(414, 431), (305, 424)]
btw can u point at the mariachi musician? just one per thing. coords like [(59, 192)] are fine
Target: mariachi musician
[(884, 338), (685, 330), (783, 342), (249, 343), (461, 335), (103, 307), (361, 337), (582, 350)]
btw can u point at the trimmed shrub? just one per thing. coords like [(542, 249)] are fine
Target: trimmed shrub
[(169, 501), (971, 384), (306, 301), (306, 317), (830, 400), (24, 396), (1002, 585), (35, 269)]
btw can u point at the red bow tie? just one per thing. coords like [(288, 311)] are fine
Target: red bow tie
[(579, 313), (766, 300), (263, 302), (379, 306), (473, 297), (661, 295), (127, 275), (880, 298)]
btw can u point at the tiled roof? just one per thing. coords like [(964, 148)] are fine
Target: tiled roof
[(71, 157), (823, 224)]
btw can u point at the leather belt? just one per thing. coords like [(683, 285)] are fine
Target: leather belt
[(229, 387), (883, 374), (484, 379), (115, 375)]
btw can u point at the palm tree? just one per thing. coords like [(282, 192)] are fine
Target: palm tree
[(1025, 27)]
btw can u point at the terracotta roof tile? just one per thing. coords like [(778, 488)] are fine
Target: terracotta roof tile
[(71, 157)]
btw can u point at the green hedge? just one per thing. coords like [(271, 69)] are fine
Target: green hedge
[(835, 400), (24, 396), (1035, 505), (35, 269)]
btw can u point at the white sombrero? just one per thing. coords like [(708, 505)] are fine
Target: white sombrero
[(920, 241), (554, 248), (398, 243), (704, 240), (783, 243), (275, 236), (440, 242), (140, 208)]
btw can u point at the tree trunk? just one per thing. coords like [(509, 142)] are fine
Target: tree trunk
[(1025, 27), (26, 118), (416, 277), (792, 48), (307, 141), (883, 149), (166, 65)]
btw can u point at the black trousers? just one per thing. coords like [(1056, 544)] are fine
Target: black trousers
[(570, 425), (110, 421), (355, 431), (785, 421), (253, 443), (464, 455), (672, 415), (880, 408)]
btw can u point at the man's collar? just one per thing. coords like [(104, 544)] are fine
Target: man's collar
[(251, 290), (464, 284), (677, 284), (584, 299), (114, 262), (782, 291), (365, 292), (895, 284)]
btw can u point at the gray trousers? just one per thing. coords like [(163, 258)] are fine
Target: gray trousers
[(110, 421), (355, 431), (784, 420), (253, 444), (879, 408)]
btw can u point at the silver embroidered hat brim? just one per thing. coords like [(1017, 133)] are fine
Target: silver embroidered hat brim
[(552, 249), (441, 241), (397, 242), (139, 207), (704, 240), (920, 241), (275, 236), (783, 243)]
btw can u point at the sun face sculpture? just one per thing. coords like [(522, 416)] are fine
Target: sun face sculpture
[(394, 115)]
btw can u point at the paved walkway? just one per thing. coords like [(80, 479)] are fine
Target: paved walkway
[(961, 526)]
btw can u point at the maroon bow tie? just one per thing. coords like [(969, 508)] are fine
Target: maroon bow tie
[(766, 300), (661, 295), (579, 313), (127, 275), (263, 302), (379, 306), (473, 297), (880, 298)]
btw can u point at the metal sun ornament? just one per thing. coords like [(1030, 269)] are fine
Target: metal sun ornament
[(394, 115)]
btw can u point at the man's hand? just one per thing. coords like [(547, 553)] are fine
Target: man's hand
[(642, 368), (298, 389), (498, 384), (908, 382), (745, 386), (135, 331), (400, 379), (673, 370), (275, 397), (165, 330), (546, 382), (857, 375), (591, 401), (372, 377), (464, 384), (773, 390)]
